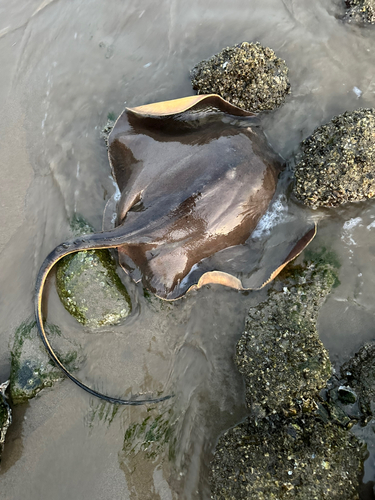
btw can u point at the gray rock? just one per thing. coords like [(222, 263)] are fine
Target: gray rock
[(247, 75), (337, 163), (89, 287)]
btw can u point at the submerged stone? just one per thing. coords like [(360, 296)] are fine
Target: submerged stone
[(89, 287), (247, 75), (299, 458), (346, 395), (283, 361), (337, 163), (31, 367), (359, 371), (360, 11)]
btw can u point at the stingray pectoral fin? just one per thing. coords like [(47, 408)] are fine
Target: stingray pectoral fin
[(219, 278), (296, 250), (222, 278), (110, 239), (177, 106)]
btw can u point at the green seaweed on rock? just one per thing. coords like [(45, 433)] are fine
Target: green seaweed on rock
[(31, 368), (88, 285)]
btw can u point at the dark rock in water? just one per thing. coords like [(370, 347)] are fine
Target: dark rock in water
[(360, 11), (5, 415), (299, 458), (359, 371), (31, 367), (337, 164), (247, 75), (89, 287), (280, 354), (346, 395), (341, 401)]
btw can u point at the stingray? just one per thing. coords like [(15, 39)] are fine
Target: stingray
[(196, 174)]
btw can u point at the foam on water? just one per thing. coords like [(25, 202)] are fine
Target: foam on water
[(276, 214)]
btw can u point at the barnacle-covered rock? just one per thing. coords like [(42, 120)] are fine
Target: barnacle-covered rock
[(107, 129), (247, 75), (360, 11), (294, 444), (283, 361), (299, 458), (337, 164), (5, 415)]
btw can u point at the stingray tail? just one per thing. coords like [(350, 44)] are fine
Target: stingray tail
[(110, 239)]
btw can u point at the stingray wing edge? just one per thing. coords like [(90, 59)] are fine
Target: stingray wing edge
[(228, 280), (177, 106)]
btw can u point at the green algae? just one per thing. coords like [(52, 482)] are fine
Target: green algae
[(88, 285), (151, 436), (247, 75), (102, 412)]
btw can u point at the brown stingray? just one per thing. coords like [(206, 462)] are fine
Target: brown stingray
[(195, 175)]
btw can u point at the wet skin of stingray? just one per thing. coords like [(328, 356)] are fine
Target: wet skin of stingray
[(195, 175)]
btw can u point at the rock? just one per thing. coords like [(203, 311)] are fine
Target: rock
[(31, 367), (295, 443), (359, 372), (337, 164), (283, 361), (299, 458), (111, 120), (89, 287), (346, 395), (360, 11), (247, 75), (5, 415)]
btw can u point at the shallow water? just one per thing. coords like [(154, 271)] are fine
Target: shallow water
[(65, 66)]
